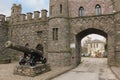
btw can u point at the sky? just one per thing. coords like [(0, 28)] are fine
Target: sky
[(27, 5)]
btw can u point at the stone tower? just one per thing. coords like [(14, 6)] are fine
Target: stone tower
[(58, 8), (116, 5), (15, 13), (58, 44)]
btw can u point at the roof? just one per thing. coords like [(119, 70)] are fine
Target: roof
[(96, 41)]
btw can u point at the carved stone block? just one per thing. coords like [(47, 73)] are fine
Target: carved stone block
[(31, 71)]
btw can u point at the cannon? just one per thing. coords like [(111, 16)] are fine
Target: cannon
[(31, 56)]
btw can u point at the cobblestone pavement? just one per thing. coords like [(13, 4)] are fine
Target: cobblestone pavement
[(6, 73), (90, 69)]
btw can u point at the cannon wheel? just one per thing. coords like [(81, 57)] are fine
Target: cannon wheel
[(44, 60), (32, 62), (22, 61)]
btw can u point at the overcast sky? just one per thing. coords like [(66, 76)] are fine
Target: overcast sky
[(27, 5)]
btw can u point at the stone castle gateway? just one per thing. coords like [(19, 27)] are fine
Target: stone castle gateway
[(60, 34)]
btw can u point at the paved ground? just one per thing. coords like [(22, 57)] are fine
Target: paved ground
[(6, 73), (116, 71), (90, 69)]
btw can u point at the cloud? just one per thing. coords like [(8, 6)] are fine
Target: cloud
[(27, 5), (5, 7)]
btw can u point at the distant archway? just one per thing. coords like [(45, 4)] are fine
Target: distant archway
[(84, 33)]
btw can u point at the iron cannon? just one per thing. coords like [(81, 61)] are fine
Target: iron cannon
[(31, 56)]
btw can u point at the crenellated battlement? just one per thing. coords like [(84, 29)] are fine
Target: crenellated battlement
[(2, 18), (18, 18), (36, 16)]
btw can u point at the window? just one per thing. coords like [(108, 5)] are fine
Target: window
[(39, 33), (13, 11), (51, 8), (97, 45), (98, 9), (81, 11), (55, 33), (60, 8), (91, 45)]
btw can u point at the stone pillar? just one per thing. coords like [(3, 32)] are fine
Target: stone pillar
[(111, 49), (2, 18), (44, 14), (22, 17), (36, 14), (29, 16)]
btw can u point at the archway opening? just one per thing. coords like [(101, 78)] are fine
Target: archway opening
[(81, 35), (94, 46), (40, 47)]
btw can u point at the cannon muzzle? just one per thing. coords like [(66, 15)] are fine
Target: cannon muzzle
[(14, 46), (20, 48), (8, 44)]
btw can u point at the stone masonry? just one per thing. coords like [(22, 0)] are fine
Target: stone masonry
[(60, 33)]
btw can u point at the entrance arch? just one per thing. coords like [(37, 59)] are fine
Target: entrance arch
[(109, 40)]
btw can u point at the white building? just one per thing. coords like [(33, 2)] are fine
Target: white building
[(96, 48)]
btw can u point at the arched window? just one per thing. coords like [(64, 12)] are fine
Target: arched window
[(60, 8), (81, 11), (98, 9), (39, 47)]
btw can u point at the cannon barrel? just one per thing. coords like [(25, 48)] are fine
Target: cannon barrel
[(20, 48)]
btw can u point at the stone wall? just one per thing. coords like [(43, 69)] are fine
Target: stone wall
[(117, 21), (3, 37), (56, 11), (89, 7), (58, 50), (103, 23), (116, 5), (59, 59), (33, 34)]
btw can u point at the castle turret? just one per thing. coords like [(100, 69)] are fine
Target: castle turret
[(58, 8), (58, 45), (15, 13), (16, 9)]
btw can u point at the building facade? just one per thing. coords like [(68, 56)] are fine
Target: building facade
[(96, 48), (60, 34)]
